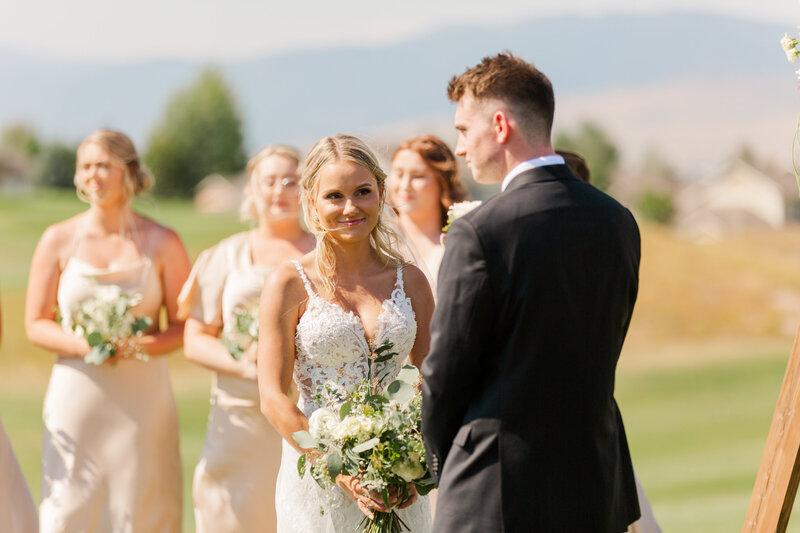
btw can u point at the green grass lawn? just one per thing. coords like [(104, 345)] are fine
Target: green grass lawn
[(696, 425), (696, 433)]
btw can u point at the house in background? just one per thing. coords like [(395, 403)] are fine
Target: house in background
[(15, 171), (739, 198), (217, 194)]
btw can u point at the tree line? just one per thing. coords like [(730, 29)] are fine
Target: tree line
[(200, 133)]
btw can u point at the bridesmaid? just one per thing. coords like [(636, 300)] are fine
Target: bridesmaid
[(234, 483), (423, 183), (110, 452), (17, 510)]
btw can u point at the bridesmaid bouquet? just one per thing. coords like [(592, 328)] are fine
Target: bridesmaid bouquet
[(245, 332), (456, 211), (107, 324), (373, 436)]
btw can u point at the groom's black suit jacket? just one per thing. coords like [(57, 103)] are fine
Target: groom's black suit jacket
[(535, 294)]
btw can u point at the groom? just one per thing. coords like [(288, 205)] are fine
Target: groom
[(536, 291)]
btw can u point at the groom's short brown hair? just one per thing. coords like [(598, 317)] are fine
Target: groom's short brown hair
[(514, 81)]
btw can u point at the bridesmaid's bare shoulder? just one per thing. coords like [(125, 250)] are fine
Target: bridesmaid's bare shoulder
[(58, 239), (161, 238)]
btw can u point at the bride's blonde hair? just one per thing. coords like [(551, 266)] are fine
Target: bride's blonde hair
[(382, 239)]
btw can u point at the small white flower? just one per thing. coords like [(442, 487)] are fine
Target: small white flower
[(789, 46), (459, 209), (108, 293)]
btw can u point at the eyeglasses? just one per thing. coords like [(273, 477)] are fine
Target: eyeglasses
[(290, 185)]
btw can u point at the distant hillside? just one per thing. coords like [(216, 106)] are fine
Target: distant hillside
[(298, 97)]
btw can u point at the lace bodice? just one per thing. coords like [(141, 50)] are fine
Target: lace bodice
[(331, 344)]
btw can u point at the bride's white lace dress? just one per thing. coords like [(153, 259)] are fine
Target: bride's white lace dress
[(331, 345)]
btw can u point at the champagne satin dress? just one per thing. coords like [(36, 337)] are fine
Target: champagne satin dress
[(234, 482), (17, 510), (110, 451)]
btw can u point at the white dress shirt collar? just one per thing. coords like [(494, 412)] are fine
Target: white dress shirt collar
[(543, 161)]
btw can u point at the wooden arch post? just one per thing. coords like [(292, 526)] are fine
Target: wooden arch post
[(778, 476)]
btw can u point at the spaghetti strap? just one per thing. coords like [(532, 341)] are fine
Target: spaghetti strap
[(306, 283), (399, 282)]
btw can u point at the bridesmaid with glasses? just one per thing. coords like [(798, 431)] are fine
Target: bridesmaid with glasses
[(234, 482)]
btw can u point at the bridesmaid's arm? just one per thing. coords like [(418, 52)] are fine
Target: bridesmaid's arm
[(201, 345), (419, 291), (279, 311), (41, 298), (174, 268)]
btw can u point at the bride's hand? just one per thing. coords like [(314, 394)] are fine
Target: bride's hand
[(366, 500), (412, 496)]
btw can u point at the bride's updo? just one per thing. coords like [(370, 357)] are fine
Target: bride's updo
[(383, 238), (138, 178)]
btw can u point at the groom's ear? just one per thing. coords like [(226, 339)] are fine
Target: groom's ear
[(500, 126)]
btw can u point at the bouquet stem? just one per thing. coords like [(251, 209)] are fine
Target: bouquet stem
[(382, 523)]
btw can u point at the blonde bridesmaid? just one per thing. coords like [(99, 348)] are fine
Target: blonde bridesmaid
[(234, 483), (110, 451)]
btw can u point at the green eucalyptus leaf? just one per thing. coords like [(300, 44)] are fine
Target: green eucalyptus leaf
[(301, 465), (350, 462), (334, 464), (344, 410), (368, 445), (425, 485), (141, 324), (95, 339), (400, 391), (304, 439), (409, 374)]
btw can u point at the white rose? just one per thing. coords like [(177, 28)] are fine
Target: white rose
[(368, 426), (460, 209), (321, 421), (347, 428), (353, 426), (409, 470)]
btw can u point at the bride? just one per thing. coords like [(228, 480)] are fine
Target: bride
[(319, 317)]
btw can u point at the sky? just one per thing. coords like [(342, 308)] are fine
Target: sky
[(118, 32)]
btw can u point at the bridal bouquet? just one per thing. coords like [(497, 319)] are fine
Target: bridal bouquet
[(244, 334), (107, 324), (374, 436)]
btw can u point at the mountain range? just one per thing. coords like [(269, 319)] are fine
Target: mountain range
[(627, 71)]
